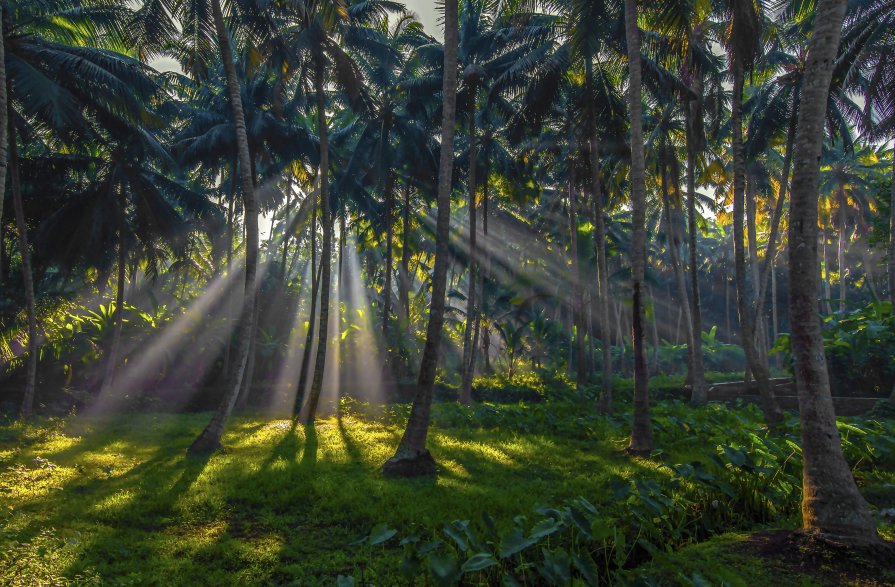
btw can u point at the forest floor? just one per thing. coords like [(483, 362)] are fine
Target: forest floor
[(116, 501)]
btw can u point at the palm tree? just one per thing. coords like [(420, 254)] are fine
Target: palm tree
[(641, 442), (832, 506), (412, 458), (209, 439), (743, 47)]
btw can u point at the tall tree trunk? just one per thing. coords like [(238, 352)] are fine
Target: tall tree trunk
[(758, 322), (25, 251), (828, 295), (576, 305), (287, 232), (309, 336), (404, 283), (676, 264), (641, 442), (840, 251), (699, 393), (4, 122), (210, 438), (891, 252), (771, 409), (310, 409), (389, 262), (412, 458), (112, 358), (229, 301), (466, 380), (832, 506)]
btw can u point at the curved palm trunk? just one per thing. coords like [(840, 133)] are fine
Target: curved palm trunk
[(832, 506), (412, 458), (641, 442), (325, 254), (210, 438), (471, 303), (758, 320), (699, 393), (22, 233), (112, 359), (772, 413)]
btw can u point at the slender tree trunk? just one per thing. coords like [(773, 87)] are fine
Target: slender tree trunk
[(605, 403), (112, 358), (828, 295), (641, 442), (404, 283), (466, 380), (309, 336), (27, 276), (412, 458), (229, 301), (752, 236), (389, 262), (699, 394), (840, 252), (832, 506), (4, 122), (287, 232), (771, 250), (325, 254), (677, 266), (576, 305), (772, 413), (891, 253), (210, 438)]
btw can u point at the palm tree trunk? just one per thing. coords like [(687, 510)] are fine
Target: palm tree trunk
[(389, 262), (466, 381), (309, 336), (699, 393), (112, 358), (210, 438), (772, 413), (605, 403), (840, 252), (832, 506), (576, 306), (641, 442), (752, 236), (891, 253), (310, 409), (4, 122), (412, 458), (287, 233), (676, 264), (828, 295), (229, 301), (24, 250), (771, 250), (404, 283)]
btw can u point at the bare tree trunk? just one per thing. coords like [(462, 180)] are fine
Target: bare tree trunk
[(229, 300), (641, 442), (832, 506), (772, 413), (576, 302), (310, 407), (699, 393), (112, 358), (605, 404), (210, 438), (287, 233), (840, 252), (828, 295), (891, 252), (4, 122), (466, 379), (25, 251), (389, 262), (404, 283), (412, 458)]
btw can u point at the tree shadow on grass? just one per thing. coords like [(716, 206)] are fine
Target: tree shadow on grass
[(309, 454)]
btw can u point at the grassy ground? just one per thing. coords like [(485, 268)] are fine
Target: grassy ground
[(117, 501)]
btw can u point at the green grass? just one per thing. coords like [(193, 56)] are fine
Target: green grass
[(272, 507), (117, 501)]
